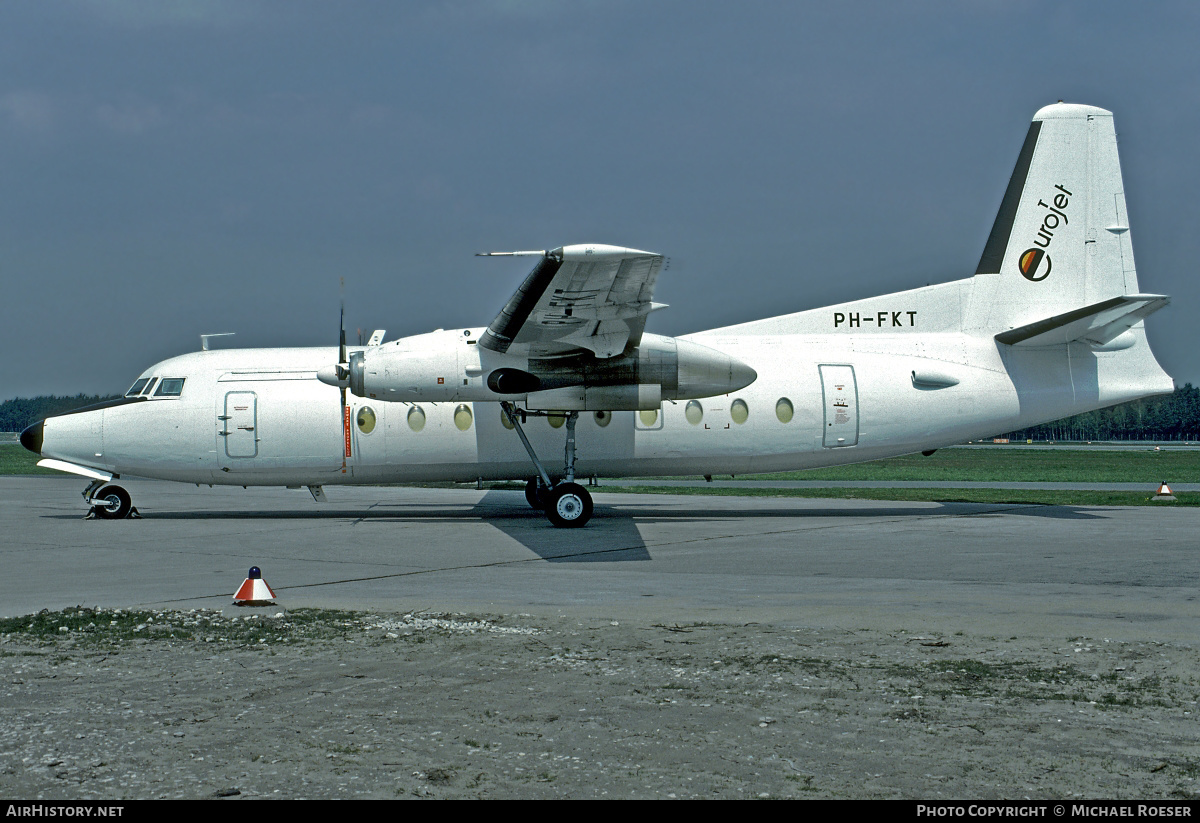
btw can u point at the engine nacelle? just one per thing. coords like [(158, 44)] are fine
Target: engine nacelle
[(445, 366), (424, 367)]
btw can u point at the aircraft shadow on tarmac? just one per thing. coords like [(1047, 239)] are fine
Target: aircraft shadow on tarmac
[(610, 537), (613, 535)]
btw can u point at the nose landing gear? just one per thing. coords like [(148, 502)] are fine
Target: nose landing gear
[(567, 504), (109, 503)]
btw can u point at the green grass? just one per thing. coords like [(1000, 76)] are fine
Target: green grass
[(999, 464), (1027, 464), (17, 460), (1015, 463), (90, 627)]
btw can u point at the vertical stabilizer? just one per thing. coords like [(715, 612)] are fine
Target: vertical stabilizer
[(1061, 237)]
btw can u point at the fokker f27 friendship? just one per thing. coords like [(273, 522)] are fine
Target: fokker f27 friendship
[(1051, 324)]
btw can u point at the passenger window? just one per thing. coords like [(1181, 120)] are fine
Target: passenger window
[(416, 418), (137, 387), (170, 387), (366, 420), (462, 417), (149, 387)]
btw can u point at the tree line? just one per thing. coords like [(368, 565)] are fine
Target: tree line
[(21, 412), (1174, 416)]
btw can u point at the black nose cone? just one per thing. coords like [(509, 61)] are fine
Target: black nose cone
[(31, 438)]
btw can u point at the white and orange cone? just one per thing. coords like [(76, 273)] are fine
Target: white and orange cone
[(254, 591), (1164, 492)]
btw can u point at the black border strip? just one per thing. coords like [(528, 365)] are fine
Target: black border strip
[(997, 242)]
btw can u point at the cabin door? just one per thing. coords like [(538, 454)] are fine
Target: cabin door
[(840, 393), (240, 431)]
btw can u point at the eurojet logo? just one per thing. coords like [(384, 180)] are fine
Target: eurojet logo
[(1030, 265), (1030, 261)]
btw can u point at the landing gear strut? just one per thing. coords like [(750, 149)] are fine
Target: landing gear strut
[(567, 504)]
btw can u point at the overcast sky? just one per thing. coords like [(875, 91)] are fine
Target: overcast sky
[(173, 168)]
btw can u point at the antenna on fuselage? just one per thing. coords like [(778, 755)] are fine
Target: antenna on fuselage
[(204, 338)]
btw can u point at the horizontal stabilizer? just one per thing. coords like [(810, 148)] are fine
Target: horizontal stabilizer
[(1096, 324)]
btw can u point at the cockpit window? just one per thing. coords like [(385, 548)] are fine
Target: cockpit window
[(149, 387), (137, 387), (170, 387)]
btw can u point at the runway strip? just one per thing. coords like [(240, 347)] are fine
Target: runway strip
[(1027, 569)]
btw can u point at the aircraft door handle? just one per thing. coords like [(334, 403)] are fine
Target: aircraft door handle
[(223, 417)]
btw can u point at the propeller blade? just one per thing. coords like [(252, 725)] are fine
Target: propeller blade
[(343, 372), (342, 358)]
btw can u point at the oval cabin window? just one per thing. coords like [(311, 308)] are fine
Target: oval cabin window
[(462, 417), (416, 418), (365, 419)]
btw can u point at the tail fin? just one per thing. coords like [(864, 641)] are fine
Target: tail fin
[(1061, 239)]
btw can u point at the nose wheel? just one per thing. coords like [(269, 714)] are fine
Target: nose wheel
[(567, 504), (110, 503)]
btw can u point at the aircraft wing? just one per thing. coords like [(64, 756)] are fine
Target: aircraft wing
[(583, 297)]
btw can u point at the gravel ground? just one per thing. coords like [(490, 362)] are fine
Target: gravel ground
[(110, 704)]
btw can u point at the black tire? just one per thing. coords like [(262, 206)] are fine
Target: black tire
[(108, 497), (569, 506), (535, 494)]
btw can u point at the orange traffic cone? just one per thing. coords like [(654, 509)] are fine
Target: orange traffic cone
[(1164, 492), (254, 591)]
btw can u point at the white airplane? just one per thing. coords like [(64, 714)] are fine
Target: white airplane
[(1050, 325)]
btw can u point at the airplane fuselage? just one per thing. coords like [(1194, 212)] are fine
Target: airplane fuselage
[(259, 417)]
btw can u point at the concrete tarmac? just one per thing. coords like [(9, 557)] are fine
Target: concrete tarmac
[(1006, 570), (1147, 488)]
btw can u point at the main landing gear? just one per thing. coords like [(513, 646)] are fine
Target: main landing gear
[(567, 504), (109, 502)]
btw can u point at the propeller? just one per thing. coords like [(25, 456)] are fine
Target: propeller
[(339, 375), (343, 375)]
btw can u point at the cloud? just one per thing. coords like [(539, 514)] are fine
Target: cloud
[(29, 110), (171, 13), (129, 118)]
